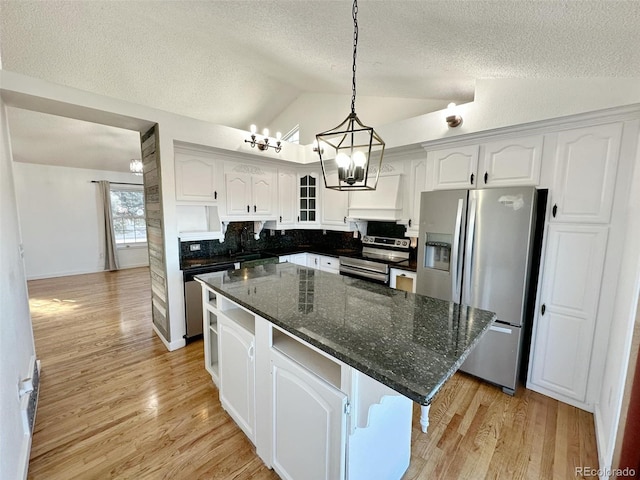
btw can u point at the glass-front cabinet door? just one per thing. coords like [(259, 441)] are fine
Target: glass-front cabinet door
[(308, 199)]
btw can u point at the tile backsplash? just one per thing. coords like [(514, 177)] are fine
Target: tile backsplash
[(237, 237)]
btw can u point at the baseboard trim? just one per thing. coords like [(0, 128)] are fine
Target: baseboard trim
[(604, 462), (171, 346)]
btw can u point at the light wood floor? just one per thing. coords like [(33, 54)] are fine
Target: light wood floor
[(115, 404)]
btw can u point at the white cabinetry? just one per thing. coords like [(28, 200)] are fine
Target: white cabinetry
[(567, 314), (287, 199), (511, 162), (501, 163), (250, 192), (309, 188), (210, 330), (586, 164), (329, 264), (454, 167), (335, 208), (417, 185), (237, 367), (573, 263), (197, 177), (313, 260), (309, 423)]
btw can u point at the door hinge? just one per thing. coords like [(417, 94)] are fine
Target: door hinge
[(347, 408)]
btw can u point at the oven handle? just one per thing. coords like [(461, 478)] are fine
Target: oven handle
[(381, 277)]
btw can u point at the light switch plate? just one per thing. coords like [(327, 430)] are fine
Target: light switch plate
[(194, 247)]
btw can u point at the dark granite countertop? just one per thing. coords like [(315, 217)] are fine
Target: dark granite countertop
[(411, 343)]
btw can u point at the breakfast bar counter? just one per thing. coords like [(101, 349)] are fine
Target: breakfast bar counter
[(319, 369)]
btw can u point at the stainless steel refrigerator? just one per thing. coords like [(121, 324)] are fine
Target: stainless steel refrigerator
[(481, 248)]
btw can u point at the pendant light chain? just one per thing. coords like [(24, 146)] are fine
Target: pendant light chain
[(354, 13)]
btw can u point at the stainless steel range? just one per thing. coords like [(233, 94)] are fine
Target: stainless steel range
[(378, 255)]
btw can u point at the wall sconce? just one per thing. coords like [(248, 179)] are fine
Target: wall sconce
[(135, 166), (317, 148), (453, 119), (263, 143)]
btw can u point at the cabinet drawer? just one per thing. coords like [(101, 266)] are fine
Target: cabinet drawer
[(329, 264)]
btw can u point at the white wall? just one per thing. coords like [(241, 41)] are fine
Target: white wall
[(504, 102), (61, 220), (16, 335), (316, 112)]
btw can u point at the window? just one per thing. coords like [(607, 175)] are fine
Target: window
[(293, 135), (127, 208)]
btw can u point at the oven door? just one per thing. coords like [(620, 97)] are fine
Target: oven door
[(365, 269)]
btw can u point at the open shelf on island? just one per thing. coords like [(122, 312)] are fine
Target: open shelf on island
[(243, 318), (306, 356)]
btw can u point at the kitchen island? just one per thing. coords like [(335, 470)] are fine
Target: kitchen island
[(319, 370)]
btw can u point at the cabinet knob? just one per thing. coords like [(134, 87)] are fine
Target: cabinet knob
[(248, 210), (472, 177), (486, 177), (554, 210), (409, 222), (345, 220), (543, 309), (215, 195), (280, 217), (298, 217), (254, 208)]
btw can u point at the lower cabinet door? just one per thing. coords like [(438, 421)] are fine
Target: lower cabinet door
[(309, 424), (237, 373)]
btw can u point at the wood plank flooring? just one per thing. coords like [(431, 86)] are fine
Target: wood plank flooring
[(115, 404)]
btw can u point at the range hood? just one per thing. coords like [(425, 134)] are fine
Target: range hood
[(383, 203)]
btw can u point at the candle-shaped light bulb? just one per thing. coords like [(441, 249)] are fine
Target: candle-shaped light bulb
[(253, 129), (343, 160), (265, 132), (359, 159), (278, 136)]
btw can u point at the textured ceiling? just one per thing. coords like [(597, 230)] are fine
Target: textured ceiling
[(240, 62)]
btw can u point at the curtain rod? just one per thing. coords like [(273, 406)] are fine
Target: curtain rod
[(121, 183)]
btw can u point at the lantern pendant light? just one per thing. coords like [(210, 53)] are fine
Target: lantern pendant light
[(347, 151)]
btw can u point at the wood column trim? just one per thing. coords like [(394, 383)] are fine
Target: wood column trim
[(627, 448)]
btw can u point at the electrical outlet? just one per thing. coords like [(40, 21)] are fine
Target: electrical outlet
[(272, 233), (281, 232), (194, 247)]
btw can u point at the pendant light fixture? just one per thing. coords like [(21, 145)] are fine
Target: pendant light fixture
[(347, 151)]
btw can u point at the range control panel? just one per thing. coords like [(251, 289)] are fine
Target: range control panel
[(387, 242)]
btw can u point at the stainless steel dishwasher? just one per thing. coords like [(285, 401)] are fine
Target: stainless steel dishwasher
[(193, 297)]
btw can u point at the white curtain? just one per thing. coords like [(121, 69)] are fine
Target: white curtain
[(110, 254)]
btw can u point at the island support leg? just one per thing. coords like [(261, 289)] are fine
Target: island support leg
[(424, 417)]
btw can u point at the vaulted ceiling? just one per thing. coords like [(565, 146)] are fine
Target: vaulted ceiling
[(239, 62)]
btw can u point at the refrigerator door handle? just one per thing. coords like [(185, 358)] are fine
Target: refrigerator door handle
[(466, 296), (455, 253)]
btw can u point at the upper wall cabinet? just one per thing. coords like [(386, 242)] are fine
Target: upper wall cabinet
[(584, 180), (512, 162), (308, 198), (454, 167), (335, 204), (197, 177), (250, 191), (287, 198), (503, 163)]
